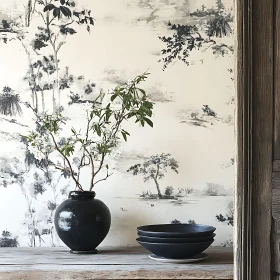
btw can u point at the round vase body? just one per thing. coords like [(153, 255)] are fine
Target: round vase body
[(82, 222)]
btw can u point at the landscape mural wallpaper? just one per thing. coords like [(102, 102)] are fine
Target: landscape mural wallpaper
[(58, 55)]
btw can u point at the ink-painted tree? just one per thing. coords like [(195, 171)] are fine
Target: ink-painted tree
[(40, 78), (228, 217), (155, 169), (59, 19), (7, 240), (9, 102), (213, 25), (175, 221), (44, 180), (39, 216), (42, 189), (30, 9), (190, 222), (214, 190)]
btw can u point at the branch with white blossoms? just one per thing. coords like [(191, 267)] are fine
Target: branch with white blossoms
[(103, 130)]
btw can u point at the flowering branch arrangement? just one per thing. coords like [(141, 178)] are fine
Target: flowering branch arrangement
[(103, 130)]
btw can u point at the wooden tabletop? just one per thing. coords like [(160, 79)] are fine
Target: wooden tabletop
[(110, 263)]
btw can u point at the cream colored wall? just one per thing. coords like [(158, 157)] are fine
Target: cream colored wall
[(123, 43)]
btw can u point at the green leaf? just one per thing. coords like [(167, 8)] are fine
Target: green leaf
[(98, 129), (124, 136), (67, 150), (126, 132), (130, 115), (113, 97), (143, 91), (149, 122), (108, 115), (99, 148), (148, 104), (91, 115), (98, 113)]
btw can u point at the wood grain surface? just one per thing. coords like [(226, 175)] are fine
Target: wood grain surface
[(109, 263)]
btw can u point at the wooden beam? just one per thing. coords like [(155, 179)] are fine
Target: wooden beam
[(254, 126), (275, 234), (242, 77), (262, 135), (276, 147)]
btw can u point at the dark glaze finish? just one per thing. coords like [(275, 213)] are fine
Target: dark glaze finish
[(176, 250), (176, 240), (82, 222), (175, 230)]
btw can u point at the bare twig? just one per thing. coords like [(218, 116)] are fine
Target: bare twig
[(101, 164), (92, 172), (107, 176), (13, 121), (68, 162), (82, 164)]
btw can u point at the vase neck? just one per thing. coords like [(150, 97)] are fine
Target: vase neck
[(81, 195)]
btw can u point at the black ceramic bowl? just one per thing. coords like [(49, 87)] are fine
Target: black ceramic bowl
[(176, 240), (176, 230), (176, 250)]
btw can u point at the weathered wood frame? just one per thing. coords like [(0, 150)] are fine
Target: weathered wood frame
[(275, 234), (255, 87)]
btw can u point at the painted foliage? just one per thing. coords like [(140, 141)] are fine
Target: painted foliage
[(57, 56)]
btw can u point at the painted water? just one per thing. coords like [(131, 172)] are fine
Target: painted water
[(193, 118)]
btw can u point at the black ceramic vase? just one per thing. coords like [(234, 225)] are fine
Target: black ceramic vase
[(82, 222)]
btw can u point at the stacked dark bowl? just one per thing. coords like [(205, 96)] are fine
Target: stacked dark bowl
[(176, 241)]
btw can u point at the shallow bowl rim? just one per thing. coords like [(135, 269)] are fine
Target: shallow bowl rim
[(174, 225), (194, 243)]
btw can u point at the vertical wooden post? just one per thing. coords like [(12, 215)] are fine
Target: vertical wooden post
[(262, 136), (276, 148), (275, 233), (254, 139), (242, 246)]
